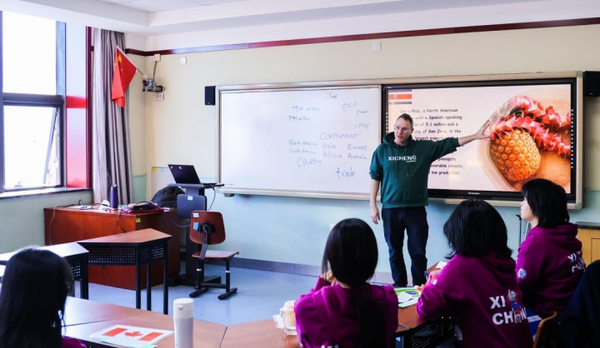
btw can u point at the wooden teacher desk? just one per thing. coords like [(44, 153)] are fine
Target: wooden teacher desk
[(63, 225)]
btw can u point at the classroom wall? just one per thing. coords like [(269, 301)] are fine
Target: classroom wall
[(137, 128), (181, 129), (22, 218)]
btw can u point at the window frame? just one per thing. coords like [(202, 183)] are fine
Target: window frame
[(56, 101)]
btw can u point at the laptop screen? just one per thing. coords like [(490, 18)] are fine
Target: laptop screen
[(184, 174)]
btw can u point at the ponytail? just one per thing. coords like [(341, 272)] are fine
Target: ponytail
[(370, 320)]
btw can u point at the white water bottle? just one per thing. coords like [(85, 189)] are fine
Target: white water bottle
[(183, 321)]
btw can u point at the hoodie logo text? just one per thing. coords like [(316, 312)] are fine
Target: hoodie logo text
[(407, 159)]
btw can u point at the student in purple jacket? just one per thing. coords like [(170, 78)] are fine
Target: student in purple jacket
[(32, 301), (477, 287), (549, 263), (343, 310)]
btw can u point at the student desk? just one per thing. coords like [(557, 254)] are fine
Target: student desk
[(419, 333), (258, 334), (76, 256), (79, 311), (414, 331), (263, 333), (83, 318), (133, 248), (71, 224)]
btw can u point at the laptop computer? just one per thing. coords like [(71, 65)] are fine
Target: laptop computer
[(186, 174)]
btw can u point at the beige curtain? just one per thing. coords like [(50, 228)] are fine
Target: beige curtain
[(111, 150)]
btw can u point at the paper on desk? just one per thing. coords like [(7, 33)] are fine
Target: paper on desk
[(408, 303), (441, 264), (403, 297), (131, 336), (407, 296), (278, 321)]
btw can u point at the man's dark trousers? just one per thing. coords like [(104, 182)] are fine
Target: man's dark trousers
[(414, 221)]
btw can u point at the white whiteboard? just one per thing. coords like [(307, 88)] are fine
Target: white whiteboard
[(313, 142)]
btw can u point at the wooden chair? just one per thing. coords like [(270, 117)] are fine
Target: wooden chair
[(207, 228), (544, 334)]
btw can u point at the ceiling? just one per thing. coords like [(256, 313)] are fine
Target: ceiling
[(156, 17), (207, 21), (165, 5)]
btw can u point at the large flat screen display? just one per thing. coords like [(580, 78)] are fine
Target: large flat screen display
[(533, 126)]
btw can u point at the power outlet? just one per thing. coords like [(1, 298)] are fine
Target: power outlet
[(159, 96), (376, 46)]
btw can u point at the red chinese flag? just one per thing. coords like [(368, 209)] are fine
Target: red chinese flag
[(123, 73)]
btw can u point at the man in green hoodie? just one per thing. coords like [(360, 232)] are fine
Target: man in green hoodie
[(401, 165)]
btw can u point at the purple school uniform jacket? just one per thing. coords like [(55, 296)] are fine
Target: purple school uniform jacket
[(68, 342), (326, 316), (482, 295), (549, 266)]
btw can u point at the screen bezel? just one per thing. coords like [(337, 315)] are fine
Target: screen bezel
[(507, 198)]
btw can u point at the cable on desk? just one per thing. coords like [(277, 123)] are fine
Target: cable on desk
[(118, 226), (213, 200), (52, 219), (182, 226)]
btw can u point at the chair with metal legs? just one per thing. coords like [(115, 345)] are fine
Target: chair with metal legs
[(207, 228)]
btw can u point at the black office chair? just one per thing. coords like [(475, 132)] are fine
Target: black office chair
[(579, 325), (207, 228), (544, 337)]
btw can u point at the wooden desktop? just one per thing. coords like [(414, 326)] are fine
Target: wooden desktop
[(63, 225), (81, 324)]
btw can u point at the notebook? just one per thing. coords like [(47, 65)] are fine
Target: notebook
[(186, 174)]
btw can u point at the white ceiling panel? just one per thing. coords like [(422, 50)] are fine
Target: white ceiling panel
[(167, 17)]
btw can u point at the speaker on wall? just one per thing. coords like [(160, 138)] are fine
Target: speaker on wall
[(209, 95), (591, 83)]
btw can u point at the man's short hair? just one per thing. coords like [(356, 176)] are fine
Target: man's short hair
[(406, 117)]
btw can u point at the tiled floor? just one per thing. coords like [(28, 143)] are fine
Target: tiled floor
[(260, 295)]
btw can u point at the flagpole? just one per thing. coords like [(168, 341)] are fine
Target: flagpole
[(138, 69)]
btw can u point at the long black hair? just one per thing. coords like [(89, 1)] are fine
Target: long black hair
[(475, 228), (548, 202), (351, 254), (32, 301)]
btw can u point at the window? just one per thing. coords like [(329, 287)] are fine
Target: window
[(32, 111)]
